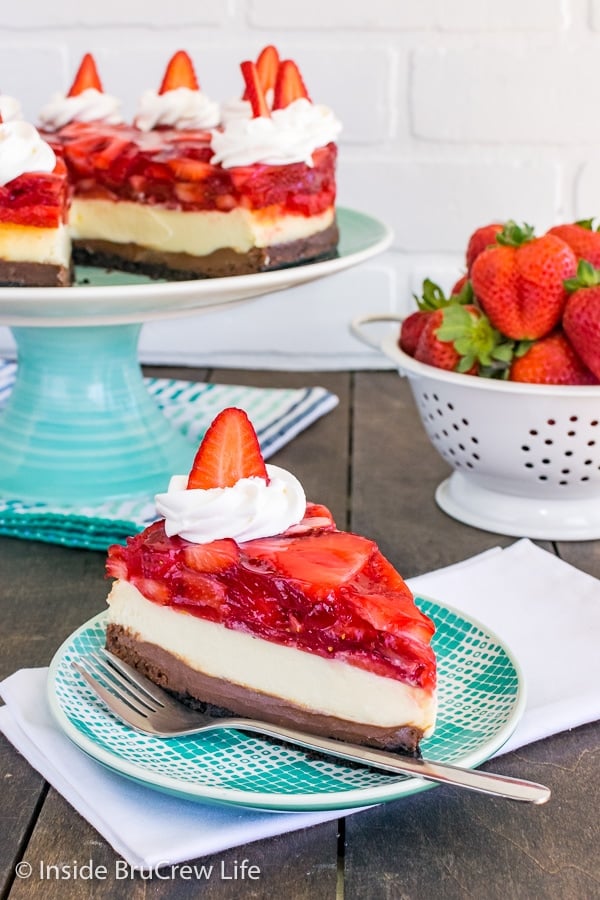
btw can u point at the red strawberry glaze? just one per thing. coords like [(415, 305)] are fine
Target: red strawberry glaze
[(172, 169), (36, 199), (327, 592)]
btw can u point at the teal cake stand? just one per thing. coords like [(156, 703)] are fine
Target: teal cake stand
[(80, 426)]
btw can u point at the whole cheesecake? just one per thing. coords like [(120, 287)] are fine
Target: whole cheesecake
[(191, 189), (247, 598)]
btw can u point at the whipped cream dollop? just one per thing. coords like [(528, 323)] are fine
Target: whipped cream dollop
[(181, 108), (235, 109), (10, 108), (90, 105), (22, 149), (248, 510), (290, 135)]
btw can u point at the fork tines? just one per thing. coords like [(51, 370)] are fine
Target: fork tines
[(131, 696)]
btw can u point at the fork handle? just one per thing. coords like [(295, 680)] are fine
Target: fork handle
[(472, 779)]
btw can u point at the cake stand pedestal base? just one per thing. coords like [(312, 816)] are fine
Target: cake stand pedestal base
[(542, 518), (80, 426)]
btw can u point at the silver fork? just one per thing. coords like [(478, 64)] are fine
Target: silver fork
[(142, 705)]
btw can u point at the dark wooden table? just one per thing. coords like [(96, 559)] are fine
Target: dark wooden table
[(370, 462)]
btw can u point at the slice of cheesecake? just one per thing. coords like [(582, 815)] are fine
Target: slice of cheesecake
[(35, 247), (263, 607)]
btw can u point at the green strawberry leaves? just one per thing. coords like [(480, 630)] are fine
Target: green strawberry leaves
[(465, 295), (587, 276), (476, 341), (432, 296), (587, 223), (513, 235)]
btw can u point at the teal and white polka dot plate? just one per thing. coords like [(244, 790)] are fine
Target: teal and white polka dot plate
[(481, 699)]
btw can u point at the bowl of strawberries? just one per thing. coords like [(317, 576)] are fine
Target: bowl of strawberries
[(505, 373)]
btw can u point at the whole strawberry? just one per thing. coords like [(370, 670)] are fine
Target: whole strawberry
[(519, 282), (460, 338), (481, 239), (551, 360), (411, 330), (581, 238), (432, 298), (431, 349), (581, 319)]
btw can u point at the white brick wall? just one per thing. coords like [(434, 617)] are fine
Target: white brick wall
[(456, 113), (520, 96)]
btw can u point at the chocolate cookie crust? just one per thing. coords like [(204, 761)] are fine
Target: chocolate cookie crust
[(219, 264), (33, 274), (169, 672)]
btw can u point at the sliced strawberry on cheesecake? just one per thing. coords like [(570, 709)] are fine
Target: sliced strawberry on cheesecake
[(86, 78), (289, 85), (254, 92), (229, 452), (267, 65), (179, 73), (246, 597)]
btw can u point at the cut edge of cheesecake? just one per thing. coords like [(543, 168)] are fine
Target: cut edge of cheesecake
[(223, 262), (200, 660)]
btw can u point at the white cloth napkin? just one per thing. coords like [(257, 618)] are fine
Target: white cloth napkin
[(547, 613), (147, 828), (544, 610)]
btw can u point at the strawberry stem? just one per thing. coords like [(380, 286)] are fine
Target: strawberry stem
[(587, 276), (513, 235), (586, 223), (465, 295), (432, 296)]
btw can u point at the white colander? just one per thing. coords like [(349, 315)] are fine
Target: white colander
[(526, 457)]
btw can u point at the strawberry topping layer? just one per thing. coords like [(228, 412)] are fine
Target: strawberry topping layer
[(172, 169), (321, 590), (36, 199)]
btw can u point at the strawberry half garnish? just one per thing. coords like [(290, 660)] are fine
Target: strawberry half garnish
[(289, 85), (267, 66), (87, 77), (229, 451), (254, 92), (179, 73)]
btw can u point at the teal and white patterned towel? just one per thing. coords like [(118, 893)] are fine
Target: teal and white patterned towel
[(278, 414)]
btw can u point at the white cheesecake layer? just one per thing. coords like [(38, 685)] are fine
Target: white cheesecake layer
[(180, 231), (24, 243), (327, 686)]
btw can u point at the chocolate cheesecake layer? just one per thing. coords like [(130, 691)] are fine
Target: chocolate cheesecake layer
[(219, 264), (169, 672), (33, 274)]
